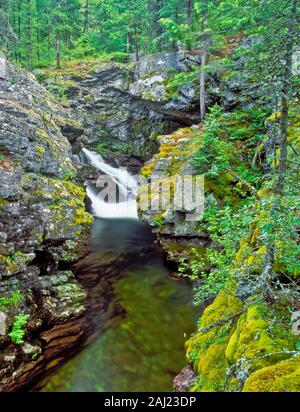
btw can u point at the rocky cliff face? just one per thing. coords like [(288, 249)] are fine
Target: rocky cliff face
[(42, 216), (119, 108), (177, 235), (42, 210)]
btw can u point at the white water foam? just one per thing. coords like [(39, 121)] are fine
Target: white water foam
[(126, 184)]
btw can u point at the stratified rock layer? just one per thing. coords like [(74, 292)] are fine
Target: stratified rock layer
[(42, 217)]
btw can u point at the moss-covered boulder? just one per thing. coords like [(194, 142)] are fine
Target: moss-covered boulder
[(282, 377), (238, 344)]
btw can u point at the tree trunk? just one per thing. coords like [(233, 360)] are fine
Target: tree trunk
[(189, 23), (287, 76), (29, 44), (86, 15), (6, 24), (19, 30), (156, 28), (48, 33), (57, 49), (15, 42), (38, 31), (175, 46), (202, 84), (128, 46), (136, 43), (203, 61)]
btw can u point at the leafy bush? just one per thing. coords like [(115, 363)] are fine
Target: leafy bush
[(226, 227), (176, 82), (228, 142), (120, 57), (58, 89), (83, 47), (213, 156), (18, 330)]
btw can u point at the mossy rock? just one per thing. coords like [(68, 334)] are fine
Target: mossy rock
[(282, 377), (255, 336), (206, 351), (253, 341)]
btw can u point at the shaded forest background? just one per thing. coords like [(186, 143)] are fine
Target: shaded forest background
[(37, 33)]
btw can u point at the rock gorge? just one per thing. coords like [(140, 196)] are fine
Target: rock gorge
[(133, 115)]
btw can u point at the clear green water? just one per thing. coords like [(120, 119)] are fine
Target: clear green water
[(144, 350)]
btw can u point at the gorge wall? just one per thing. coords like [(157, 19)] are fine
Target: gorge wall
[(42, 215)]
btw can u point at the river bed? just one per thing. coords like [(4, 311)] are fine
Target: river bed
[(143, 349)]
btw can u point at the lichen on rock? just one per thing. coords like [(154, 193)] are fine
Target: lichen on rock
[(41, 212)]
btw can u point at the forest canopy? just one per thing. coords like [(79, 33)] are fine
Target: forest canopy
[(37, 33)]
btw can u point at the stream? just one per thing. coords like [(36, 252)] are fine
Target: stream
[(143, 347)]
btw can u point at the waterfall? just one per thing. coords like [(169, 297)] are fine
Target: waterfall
[(127, 187)]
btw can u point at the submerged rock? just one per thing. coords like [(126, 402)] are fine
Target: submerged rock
[(184, 379)]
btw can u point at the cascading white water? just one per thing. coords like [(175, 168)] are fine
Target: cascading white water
[(127, 186)]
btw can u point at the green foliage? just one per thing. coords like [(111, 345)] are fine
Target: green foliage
[(158, 220), (83, 47), (246, 124), (69, 176), (213, 156), (120, 57), (58, 89), (279, 223), (178, 80), (14, 299), (226, 227), (228, 142), (18, 330)]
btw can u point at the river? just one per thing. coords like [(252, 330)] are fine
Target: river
[(143, 347)]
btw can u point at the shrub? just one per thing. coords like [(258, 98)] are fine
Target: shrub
[(18, 330)]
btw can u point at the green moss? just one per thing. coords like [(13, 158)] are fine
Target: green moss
[(73, 292), (206, 351), (103, 118), (148, 169), (159, 219), (255, 336), (14, 263), (3, 203), (40, 150), (282, 377), (157, 196), (222, 187), (258, 332), (12, 300)]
